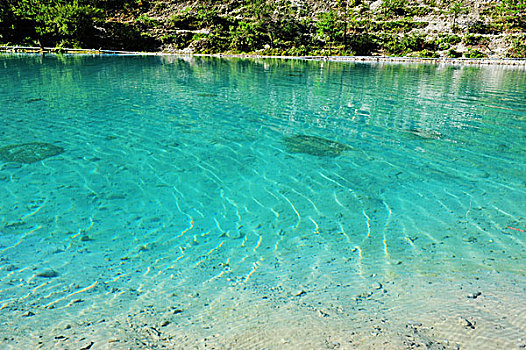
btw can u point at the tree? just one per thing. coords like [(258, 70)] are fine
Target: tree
[(54, 22), (329, 27)]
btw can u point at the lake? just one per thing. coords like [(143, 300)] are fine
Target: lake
[(194, 202)]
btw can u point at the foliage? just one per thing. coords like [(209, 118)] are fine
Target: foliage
[(474, 53), (206, 16), (116, 4), (518, 46), (399, 46), (471, 40), (453, 54), (363, 44), (329, 26), (457, 9), (399, 26), (53, 22), (445, 41), (390, 8), (126, 36), (479, 27), (427, 54), (510, 14), (147, 21), (418, 10), (246, 36)]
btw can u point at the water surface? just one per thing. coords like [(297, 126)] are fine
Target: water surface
[(202, 202)]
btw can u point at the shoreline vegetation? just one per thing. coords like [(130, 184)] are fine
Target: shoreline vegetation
[(517, 62), (420, 29)]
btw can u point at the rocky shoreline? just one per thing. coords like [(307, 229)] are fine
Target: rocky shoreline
[(518, 62)]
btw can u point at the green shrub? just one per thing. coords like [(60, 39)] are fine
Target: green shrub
[(474, 53), (329, 26), (206, 15), (509, 14), (453, 54), (246, 37), (147, 21), (389, 8), (471, 39), (400, 26), (418, 10), (53, 22), (427, 54), (518, 46), (363, 44), (213, 43), (445, 41), (178, 41), (456, 9), (479, 27), (398, 46)]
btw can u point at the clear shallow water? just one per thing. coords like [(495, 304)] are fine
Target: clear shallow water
[(178, 204)]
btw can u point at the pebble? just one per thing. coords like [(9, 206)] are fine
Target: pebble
[(11, 268), (474, 295), (469, 324), (88, 346), (299, 292), (377, 285), (322, 313), (48, 273), (85, 238)]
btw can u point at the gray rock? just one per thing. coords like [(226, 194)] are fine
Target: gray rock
[(474, 295), (48, 273)]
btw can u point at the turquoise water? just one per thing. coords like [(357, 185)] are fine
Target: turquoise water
[(242, 203)]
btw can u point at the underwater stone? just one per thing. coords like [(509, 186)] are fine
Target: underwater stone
[(474, 295), (314, 145), (299, 293), (29, 152), (425, 134), (48, 273)]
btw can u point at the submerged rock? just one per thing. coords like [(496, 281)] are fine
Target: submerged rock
[(425, 134), (48, 273), (29, 152), (314, 145)]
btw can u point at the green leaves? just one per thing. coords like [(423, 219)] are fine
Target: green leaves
[(245, 36), (54, 22), (456, 9), (391, 8), (329, 25), (518, 46), (474, 53)]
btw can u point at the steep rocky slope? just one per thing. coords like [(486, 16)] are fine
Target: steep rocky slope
[(422, 28), (426, 28)]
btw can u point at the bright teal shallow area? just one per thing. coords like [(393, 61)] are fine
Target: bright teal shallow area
[(212, 203)]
